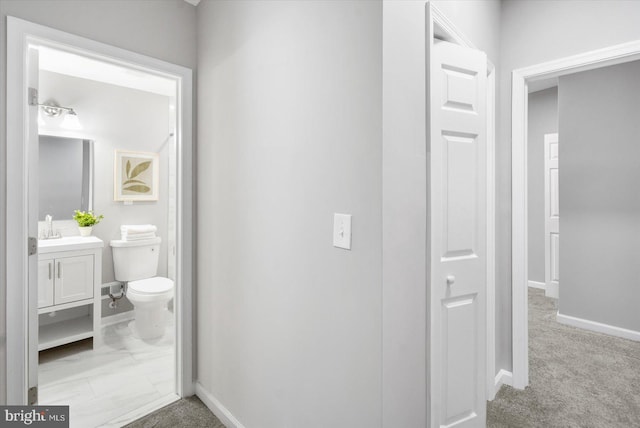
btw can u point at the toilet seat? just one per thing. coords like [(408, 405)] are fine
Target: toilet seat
[(151, 286)]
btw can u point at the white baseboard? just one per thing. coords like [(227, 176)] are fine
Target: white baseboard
[(114, 319), (553, 290), (598, 327), (536, 284), (217, 408), (503, 378)]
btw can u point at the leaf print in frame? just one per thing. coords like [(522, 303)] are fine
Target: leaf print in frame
[(136, 176)]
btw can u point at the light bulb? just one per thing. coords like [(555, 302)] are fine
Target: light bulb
[(71, 121)]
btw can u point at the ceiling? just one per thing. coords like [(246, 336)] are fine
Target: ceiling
[(101, 71)]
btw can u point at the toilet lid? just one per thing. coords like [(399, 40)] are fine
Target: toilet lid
[(153, 285)]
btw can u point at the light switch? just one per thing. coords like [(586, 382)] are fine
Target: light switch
[(342, 231)]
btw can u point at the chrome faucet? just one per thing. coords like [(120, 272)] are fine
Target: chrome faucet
[(48, 233)]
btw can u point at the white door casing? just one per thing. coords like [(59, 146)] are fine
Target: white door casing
[(617, 54), (21, 222), (551, 217), (457, 230), (33, 185)]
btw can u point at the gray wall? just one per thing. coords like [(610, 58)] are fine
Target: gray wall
[(535, 31), (599, 198), (291, 104), (161, 29), (543, 119), (289, 113)]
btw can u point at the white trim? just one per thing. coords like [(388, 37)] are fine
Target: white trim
[(491, 232), (611, 330), (16, 228), (552, 291), (537, 284), (140, 412), (115, 319), (612, 55), (598, 58), (519, 270), (20, 34), (502, 378), (216, 407), (443, 27)]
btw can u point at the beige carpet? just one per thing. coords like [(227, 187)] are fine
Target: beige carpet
[(577, 378)]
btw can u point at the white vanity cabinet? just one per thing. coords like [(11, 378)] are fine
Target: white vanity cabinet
[(65, 280), (69, 290)]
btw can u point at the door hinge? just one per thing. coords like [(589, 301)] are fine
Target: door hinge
[(33, 395), (32, 246), (33, 97)]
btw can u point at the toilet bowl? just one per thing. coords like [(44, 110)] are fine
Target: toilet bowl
[(149, 298), (135, 262)]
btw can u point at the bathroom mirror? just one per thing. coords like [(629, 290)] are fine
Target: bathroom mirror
[(66, 176)]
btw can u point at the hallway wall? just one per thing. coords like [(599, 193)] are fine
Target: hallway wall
[(599, 199), (289, 113), (161, 29), (535, 31)]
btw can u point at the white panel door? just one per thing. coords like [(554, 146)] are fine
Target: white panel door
[(45, 283), (457, 229), (551, 217), (74, 279)]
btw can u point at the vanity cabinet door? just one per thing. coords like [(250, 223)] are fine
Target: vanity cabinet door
[(45, 283), (73, 279)]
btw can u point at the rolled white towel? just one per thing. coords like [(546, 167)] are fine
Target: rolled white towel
[(137, 236), (132, 229)]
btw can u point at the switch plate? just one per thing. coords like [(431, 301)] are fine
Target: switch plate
[(342, 231)]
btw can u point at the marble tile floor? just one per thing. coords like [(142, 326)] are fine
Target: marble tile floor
[(103, 384)]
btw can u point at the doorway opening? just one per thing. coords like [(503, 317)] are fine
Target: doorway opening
[(63, 298), (523, 79)]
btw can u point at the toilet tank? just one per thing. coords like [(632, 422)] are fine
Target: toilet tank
[(134, 260)]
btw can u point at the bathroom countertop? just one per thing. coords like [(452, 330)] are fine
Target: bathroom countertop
[(69, 243)]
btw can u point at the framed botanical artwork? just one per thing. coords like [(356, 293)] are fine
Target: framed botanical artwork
[(136, 176)]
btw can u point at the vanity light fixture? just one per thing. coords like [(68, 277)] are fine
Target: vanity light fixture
[(70, 120)]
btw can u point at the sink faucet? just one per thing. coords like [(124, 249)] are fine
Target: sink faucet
[(48, 232), (49, 221)]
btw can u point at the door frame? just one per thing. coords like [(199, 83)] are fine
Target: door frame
[(441, 27), (521, 77), (20, 34)]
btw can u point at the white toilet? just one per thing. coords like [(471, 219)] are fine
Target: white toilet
[(136, 262)]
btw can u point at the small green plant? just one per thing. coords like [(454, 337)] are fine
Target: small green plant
[(86, 219)]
